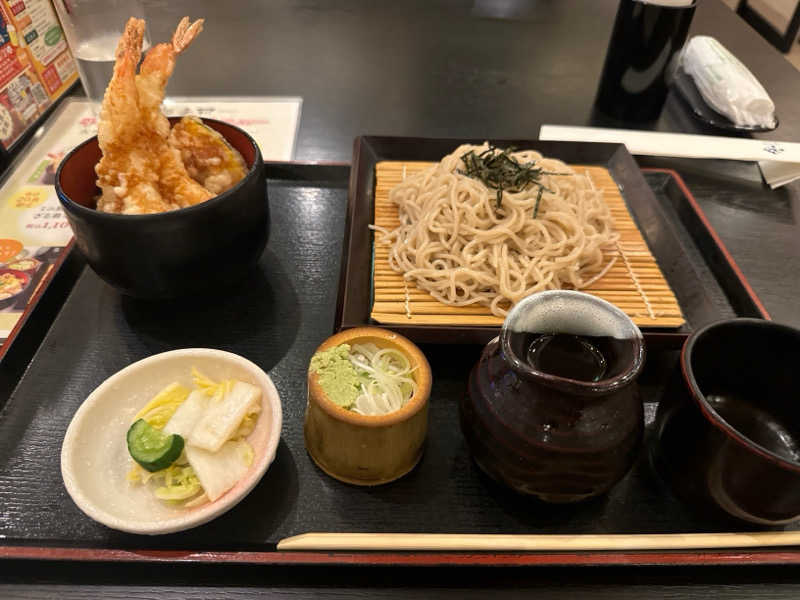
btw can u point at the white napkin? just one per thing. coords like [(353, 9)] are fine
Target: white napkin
[(726, 84), (777, 174)]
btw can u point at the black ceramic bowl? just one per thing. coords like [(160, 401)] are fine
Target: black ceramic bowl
[(728, 427), (191, 250)]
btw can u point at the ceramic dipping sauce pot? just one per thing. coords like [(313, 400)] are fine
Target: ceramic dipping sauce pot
[(368, 449), (728, 427), (552, 408)]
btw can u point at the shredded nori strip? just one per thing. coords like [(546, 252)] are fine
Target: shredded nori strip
[(538, 199), (500, 171)]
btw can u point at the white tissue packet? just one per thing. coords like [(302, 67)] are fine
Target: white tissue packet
[(726, 84)]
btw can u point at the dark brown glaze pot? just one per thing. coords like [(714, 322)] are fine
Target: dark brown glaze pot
[(192, 250), (728, 426), (560, 439)]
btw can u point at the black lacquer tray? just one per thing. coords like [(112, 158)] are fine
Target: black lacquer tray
[(706, 281), (277, 319)]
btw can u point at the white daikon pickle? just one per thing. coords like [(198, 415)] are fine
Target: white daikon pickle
[(220, 470), (222, 417), (188, 414)]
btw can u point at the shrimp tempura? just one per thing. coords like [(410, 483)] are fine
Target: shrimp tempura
[(139, 171), (156, 69)]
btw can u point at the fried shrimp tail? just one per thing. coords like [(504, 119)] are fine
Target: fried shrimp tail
[(157, 68)]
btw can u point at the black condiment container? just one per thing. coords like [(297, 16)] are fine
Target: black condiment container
[(645, 39)]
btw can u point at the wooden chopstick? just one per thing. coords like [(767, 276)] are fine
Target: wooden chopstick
[(491, 542)]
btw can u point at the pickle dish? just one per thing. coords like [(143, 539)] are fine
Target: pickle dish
[(96, 460)]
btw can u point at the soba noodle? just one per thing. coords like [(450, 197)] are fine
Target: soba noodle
[(455, 243)]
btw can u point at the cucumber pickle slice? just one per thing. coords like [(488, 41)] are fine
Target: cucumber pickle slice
[(152, 448)]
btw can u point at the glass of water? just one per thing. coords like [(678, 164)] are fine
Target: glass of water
[(93, 28)]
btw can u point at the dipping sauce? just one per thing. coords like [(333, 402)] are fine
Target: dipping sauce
[(569, 356)]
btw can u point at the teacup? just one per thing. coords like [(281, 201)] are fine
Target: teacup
[(728, 426)]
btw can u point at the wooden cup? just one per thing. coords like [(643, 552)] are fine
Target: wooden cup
[(363, 449)]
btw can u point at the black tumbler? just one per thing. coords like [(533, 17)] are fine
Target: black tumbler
[(646, 37)]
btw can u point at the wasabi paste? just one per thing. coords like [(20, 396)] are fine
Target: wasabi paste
[(337, 376)]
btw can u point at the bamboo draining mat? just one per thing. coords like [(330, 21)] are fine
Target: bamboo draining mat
[(635, 283)]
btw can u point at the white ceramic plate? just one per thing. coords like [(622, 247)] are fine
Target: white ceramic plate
[(94, 455)]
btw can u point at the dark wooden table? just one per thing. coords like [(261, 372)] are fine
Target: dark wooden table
[(485, 68)]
